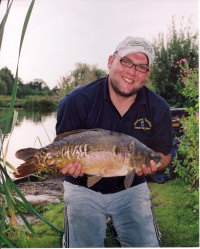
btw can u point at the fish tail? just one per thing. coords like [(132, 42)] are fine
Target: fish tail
[(30, 165), (25, 169)]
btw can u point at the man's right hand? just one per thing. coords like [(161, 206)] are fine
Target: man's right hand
[(73, 169)]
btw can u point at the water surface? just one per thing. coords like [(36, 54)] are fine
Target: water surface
[(31, 130)]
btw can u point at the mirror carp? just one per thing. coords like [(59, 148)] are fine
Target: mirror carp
[(102, 153)]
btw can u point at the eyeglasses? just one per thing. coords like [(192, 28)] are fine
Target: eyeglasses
[(128, 63)]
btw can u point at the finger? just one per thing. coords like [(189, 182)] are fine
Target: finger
[(72, 170), (78, 170), (138, 172), (75, 169), (66, 169), (153, 166), (82, 173), (145, 169)]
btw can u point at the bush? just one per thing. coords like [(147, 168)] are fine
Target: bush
[(177, 44), (82, 74), (187, 162)]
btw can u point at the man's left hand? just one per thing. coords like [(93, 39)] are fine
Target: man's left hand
[(147, 170)]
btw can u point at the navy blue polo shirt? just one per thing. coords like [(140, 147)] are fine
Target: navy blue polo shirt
[(90, 106)]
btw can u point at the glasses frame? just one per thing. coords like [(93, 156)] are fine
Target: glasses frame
[(137, 67)]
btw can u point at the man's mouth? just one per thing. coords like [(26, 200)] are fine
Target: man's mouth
[(128, 80)]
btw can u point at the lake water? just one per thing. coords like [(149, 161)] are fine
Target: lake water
[(31, 130)]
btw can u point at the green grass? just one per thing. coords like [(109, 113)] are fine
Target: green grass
[(177, 219), (22, 102), (45, 237), (5, 101), (172, 205)]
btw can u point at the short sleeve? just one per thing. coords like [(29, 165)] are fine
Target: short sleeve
[(163, 132), (69, 116)]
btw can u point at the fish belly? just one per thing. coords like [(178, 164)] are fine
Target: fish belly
[(105, 164)]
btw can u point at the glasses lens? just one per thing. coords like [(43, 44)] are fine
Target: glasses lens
[(142, 68), (126, 62)]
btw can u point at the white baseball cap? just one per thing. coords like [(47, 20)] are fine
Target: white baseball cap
[(136, 45)]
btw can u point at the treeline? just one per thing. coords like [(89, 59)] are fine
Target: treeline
[(166, 77), (35, 87)]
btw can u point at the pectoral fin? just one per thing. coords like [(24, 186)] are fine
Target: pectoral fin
[(92, 180), (129, 179)]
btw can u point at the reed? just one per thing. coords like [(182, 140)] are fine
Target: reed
[(10, 205)]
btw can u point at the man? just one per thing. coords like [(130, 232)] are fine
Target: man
[(120, 102)]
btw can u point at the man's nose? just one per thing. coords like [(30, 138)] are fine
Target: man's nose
[(132, 70)]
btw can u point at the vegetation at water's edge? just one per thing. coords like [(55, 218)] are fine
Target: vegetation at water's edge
[(172, 206), (34, 103), (43, 104)]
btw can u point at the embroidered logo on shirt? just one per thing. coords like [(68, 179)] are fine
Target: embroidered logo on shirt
[(142, 124)]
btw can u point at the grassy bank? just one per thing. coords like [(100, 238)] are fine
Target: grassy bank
[(177, 219), (37, 102), (172, 205)]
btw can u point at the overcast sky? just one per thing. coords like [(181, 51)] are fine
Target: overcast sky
[(64, 32)]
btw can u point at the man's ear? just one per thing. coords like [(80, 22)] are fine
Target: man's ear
[(110, 61), (147, 78), (149, 72)]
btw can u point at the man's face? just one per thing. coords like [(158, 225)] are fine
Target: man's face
[(127, 81)]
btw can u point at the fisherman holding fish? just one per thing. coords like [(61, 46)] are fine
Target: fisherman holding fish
[(120, 102), (112, 132)]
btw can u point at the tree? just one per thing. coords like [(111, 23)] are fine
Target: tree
[(23, 90), (82, 74), (7, 77), (181, 44), (3, 87), (35, 87)]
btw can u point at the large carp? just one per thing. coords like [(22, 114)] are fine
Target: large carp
[(102, 153)]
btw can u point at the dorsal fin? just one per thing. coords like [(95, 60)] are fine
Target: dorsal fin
[(67, 133)]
